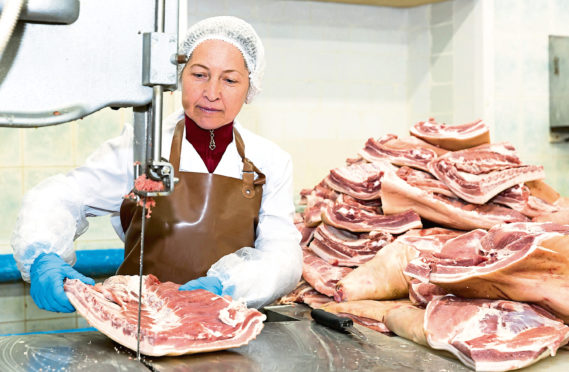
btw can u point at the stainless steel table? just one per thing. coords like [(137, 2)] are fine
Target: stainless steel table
[(290, 341)]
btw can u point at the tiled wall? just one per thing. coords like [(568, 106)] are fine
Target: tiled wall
[(489, 60), (441, 33), (521, 30)]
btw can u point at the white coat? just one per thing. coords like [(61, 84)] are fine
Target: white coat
[(54, 212)]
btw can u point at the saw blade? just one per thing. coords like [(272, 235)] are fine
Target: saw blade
[(140, 278)]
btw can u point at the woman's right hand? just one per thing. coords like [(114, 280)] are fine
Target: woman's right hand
[(47, 275)]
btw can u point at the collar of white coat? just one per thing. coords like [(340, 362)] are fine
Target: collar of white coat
[(230, 165)]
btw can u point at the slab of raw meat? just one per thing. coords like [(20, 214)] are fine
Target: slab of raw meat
[(173, 322), (361, 181), (322, 190), (560, 217), (381, 278), (543, 191), (421, 293), (304, 293), (409, 151), (348, 217), (356, 160), (407, 321), (518, 198), (493, 335), (480, 173), (368, 313), (398, 196), (424, 181), (320, 274), (315, 201), (306, 232), (428, 240), (343, 248), (452, 137), (526, 262), (373, 206)]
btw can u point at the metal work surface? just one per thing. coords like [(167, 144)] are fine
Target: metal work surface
[(85, 351), (283, 345)]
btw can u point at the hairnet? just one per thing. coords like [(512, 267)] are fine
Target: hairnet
[(236, 32)]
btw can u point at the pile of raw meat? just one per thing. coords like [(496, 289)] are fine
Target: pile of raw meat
[(445, 239), (173, 322)]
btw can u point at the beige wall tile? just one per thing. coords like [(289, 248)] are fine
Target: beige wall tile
[(82, 323), (100, 228), (442, 12), (10, 147), (49, 146), (441, 38), (442, 98), (12, 327), (82, 245), (11, 302), (95, 129), (33, 312), (51, 324), (11, 186), (34, 175), (5, 248)]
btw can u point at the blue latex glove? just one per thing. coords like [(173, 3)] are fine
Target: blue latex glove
[(47, 274), (209, 283)]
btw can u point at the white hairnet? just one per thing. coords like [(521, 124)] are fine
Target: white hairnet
[(236, 32)]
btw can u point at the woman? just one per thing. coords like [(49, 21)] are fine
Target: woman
[(226, 228)]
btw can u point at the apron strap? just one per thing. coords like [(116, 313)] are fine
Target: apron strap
[(249, 181), (176, 147)]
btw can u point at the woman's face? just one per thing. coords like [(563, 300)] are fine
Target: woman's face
[(215, 82)]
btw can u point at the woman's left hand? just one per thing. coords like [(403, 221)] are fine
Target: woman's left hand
[(209, 283)]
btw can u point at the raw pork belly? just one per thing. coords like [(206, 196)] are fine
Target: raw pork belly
[(480, 173), (421, 293), (306, 232), (343, 248), (502, 264), (411, 151), (369, 205), (561, 216), (304, 293), (452, 137), (493, 335), (173, 322), (424, 181), (346, 216), (518, 198), (320, 274), (398, 196), (315, 201), (361, 181)]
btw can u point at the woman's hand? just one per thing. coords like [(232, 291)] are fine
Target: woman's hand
[(47, 274), (209, 283)]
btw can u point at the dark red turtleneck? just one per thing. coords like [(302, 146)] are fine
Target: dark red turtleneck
[(200, 139)]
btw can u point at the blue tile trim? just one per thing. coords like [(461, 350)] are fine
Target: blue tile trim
[(94, 263)]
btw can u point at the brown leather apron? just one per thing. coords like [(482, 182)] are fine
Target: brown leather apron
[(206, 217)]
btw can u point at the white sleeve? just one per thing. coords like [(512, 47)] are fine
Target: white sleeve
[(272, 269), (53, 213)]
